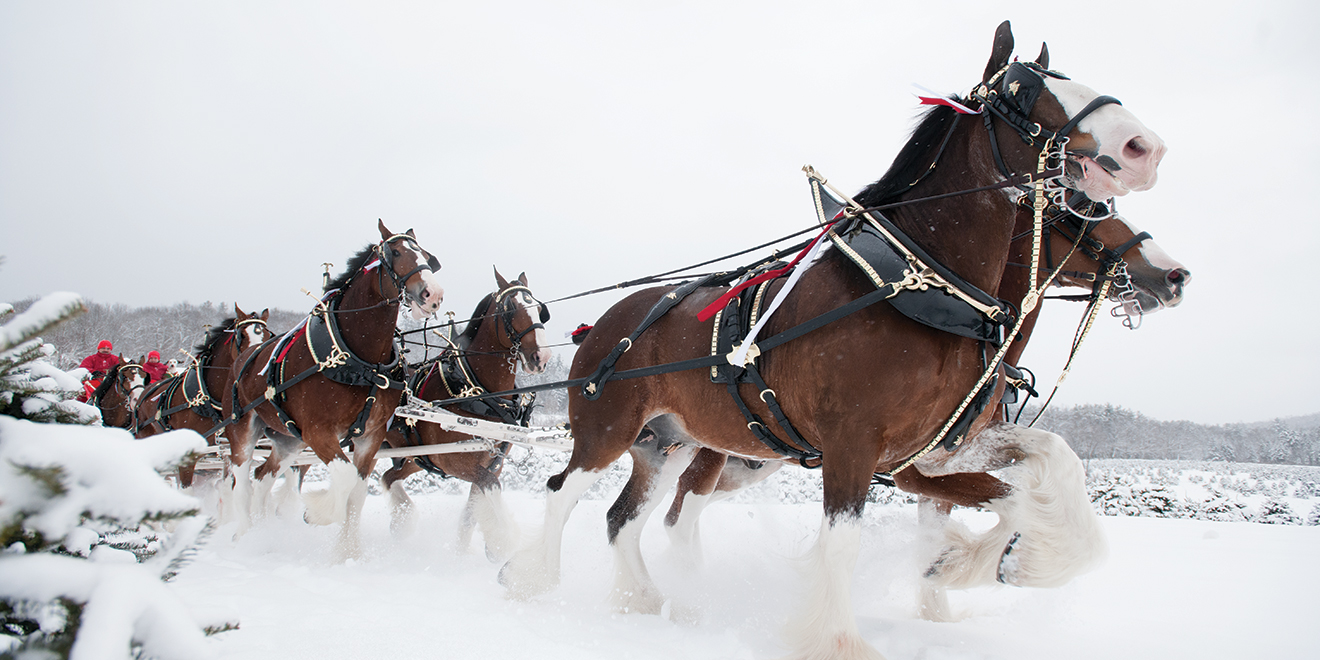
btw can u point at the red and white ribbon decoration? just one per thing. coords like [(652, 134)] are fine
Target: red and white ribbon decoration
[(931, 98)]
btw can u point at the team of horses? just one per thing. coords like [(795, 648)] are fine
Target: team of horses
[(870, 375)]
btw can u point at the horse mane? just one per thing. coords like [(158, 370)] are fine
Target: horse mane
[(106, 383), (355, 263), (213, 338), (474, 322), (914, 158)]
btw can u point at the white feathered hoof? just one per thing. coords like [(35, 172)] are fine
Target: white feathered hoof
[(403, 513), (330, 506), (525, 576)]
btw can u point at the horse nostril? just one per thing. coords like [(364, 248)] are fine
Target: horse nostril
[(1179, 276)]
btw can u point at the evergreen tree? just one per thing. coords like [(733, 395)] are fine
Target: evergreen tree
[(83, 554), (30, 387)]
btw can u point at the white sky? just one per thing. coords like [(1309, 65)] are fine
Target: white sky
[(152, 153)]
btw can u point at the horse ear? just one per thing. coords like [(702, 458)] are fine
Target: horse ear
[(1002, 50), (238, 313), (384, 231), (410, 232), (1044, 59), (265, 314), (499, 279), (522, 277)]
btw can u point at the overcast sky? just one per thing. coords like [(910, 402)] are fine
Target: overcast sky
[(159, 152)]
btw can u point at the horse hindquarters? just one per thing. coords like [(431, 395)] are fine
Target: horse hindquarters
[(1047, 533)]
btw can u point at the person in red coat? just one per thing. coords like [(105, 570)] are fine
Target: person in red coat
[(97, 364), (154, 366), (102, 361)]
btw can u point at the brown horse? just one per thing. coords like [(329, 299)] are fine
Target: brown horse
[(873, 390), (504, 329), (1112, 244), (191, 400), (118, 394), (336, 377)]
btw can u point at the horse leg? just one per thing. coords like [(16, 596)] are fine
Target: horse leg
[(487, 510), (534, 569), (283, 450), (826, 627), (695, 487), (715, 478), (657, 464), (240, 446), (403, 513), (1047, 532), (932, 516)]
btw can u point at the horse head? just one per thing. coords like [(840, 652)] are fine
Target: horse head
[(412, 269), (118, 394), (525, 334), (249, 329), (1106, 151), (1156, 279)]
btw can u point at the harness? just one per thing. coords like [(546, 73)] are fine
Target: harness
[(459, 380), (896, 265), (192, 384), (333, 358)]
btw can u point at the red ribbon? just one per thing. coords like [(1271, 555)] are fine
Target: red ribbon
[(710, 310)]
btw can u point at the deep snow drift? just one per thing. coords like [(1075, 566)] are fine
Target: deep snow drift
[(1170, 589)]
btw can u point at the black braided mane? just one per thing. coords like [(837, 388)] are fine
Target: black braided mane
[(355, 264), (913, 159), (474, 324), (214, 338)]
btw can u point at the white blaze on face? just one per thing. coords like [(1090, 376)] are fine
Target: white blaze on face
[(539, 336), (1152, 253), (425, 290), (135, 383), (253, 335), (1132, 151)]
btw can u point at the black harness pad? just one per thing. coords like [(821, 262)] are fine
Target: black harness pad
[(933, 307)]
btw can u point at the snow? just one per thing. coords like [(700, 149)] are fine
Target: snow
[(36, 317), (107, 474), (1170, 589)]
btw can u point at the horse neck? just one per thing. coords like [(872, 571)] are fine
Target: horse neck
[(487, 357), (215, 371), (969, 234), (366, 324)]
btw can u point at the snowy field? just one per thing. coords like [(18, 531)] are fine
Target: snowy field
[(1170, 589)]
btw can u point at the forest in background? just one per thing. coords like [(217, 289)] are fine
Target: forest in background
[(1095, 431)]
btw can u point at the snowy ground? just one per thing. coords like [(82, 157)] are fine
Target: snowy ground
[(1170, 589)]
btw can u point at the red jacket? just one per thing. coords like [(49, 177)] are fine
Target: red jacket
[(102, 362), (156, 369)]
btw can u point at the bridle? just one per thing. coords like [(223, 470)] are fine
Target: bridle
[(1010, 95), (1074, 221), (238, 327), (400, 282), (126, 392), (507, 306)]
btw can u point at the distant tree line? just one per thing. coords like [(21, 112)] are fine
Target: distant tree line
[(1107, 431), (136, 330)]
